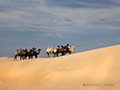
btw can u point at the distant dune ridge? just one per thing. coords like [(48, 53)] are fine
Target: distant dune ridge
[(97, 69)]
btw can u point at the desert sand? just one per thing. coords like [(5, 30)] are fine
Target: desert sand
[(97, 69)]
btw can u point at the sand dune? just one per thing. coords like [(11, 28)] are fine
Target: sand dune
[(97, 69)]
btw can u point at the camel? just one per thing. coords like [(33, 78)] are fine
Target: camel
[(64, 50), (17, 53), (70, 50), (32, 53), (36, 52), (60, 50), (50, 51)]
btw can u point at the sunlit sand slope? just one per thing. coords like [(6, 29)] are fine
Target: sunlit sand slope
[(97, 69)]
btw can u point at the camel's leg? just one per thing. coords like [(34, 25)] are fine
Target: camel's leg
[(26, 57), (15, 57), (52, 54), (23, 57), (48, 54), (29, 57), (35, 56), (62, 53), (20, 57), (57, 54), (69, 52), (45, 54), (32, 57)]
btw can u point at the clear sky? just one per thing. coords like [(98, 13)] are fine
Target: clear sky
[(85, 24)]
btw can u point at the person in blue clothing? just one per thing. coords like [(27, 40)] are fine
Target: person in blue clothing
[(33, 49), (67, 46)]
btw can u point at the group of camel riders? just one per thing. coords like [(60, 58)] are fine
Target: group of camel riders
[(25, 53), (17, 52), (33, 52), (59, 48)]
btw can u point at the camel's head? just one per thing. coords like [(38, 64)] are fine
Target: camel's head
[(73, 46), (39, 49)]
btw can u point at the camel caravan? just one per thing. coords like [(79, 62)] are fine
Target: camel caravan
[(33, 52), (63, 50), (26, 53)]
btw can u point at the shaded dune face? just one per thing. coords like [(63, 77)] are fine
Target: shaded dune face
[(97, 69)]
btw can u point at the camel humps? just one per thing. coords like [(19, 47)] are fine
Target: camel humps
[(50, 51), (25, 53)]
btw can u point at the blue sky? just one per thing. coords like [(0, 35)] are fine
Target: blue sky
[(85, 24)]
